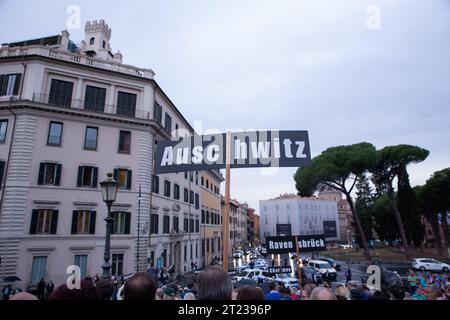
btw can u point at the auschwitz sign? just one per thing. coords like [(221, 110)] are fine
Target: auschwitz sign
[(248, 150), (313, 243)]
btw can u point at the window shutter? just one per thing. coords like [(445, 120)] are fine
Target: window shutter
[(3, 84), (116, 174), (54, 222), (41, 173), (34, 221), (58, 174), (92, 222), (17, 84), (128, 185), (80, 176), (74, 222), (127, 222), (2, 170), (95, 177)]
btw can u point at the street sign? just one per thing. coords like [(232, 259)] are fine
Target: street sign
[(286, 244), (248, 150), (277, 270)]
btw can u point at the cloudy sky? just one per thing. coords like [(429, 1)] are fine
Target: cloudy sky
[(330, 67)]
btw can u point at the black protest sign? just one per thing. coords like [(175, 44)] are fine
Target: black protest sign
[(312, 243), (277, 270), (248, 150)]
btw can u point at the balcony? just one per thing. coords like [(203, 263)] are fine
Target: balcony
[(64, 101), (49, 52)]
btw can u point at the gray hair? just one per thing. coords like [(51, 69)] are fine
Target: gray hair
[(214, 284), (322, 293)]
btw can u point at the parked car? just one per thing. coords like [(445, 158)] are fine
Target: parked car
[(430, 264), (286, 279), (332, 263), (309, 273), (255, 264), (323, 267), (238, 254)]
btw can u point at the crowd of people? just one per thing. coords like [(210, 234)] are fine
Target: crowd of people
[(213, 283)]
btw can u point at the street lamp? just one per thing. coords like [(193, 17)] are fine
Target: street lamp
[(109, 192)]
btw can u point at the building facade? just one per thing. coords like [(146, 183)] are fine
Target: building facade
[(211, 222), (69, 115), (299, 216)]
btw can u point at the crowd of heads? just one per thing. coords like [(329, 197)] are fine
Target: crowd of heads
[(213, 283)]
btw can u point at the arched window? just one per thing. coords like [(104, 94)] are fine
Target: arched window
[(91, 42), (103, 44)]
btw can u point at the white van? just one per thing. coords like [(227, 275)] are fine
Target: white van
[(323, 267)]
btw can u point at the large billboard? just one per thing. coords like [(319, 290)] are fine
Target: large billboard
[(330, 229), (286, 244), (248, 150), (284, 229)]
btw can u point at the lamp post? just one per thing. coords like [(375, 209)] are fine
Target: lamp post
[(109, 192)]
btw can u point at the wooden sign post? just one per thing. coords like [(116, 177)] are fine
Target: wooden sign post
[(226, 213)]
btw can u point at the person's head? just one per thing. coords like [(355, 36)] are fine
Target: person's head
[(294, 291), (342, 293), (273, 286), (190, 286), (432, 292), (322, 293), (397, 291), (214, 284), (357, 294), (87, 291), (308, 289), (105, 289), (159, 294), (141, 286), (23, 296), (250, 293), (169, 293), (381, 295), (189, 296)]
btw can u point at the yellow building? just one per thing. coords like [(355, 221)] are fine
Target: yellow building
[(211, 221)]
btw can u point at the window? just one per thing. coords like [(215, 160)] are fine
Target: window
[(186, 225), (38, 269), (104, 44), (154, 223), (80, 260), (157, 112), (121, 223), (60, 93), (2, 171), (87, 176), (126, 104), (196, 177), (44, 221), (202, 181), (197, 201), (176, 224), (117, 264), (94, 99), (54, 133), (207, 217), (90, 138), (207, 184), (49, 173), (92, 41), (9, 84), (83, 222), (191, 225), (166, 224), (3, 127), (191, 197), (197, 226), (166, 188), (185, 253), (186, 175), (176, 191), (124, 141), (168, 123), (123, 178), (186, 195), (155, 184)]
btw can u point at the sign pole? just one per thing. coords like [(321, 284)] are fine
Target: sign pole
[(226, 214), (299, 272)]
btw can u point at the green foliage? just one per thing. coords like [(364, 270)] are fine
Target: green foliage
[(364, 193)]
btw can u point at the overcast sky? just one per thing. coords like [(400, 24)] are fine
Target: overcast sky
[(323, 66)]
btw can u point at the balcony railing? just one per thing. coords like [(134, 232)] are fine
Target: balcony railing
[(58, 54), (66, 101)]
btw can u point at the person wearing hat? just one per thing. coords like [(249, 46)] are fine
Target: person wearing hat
[(169, 293)]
